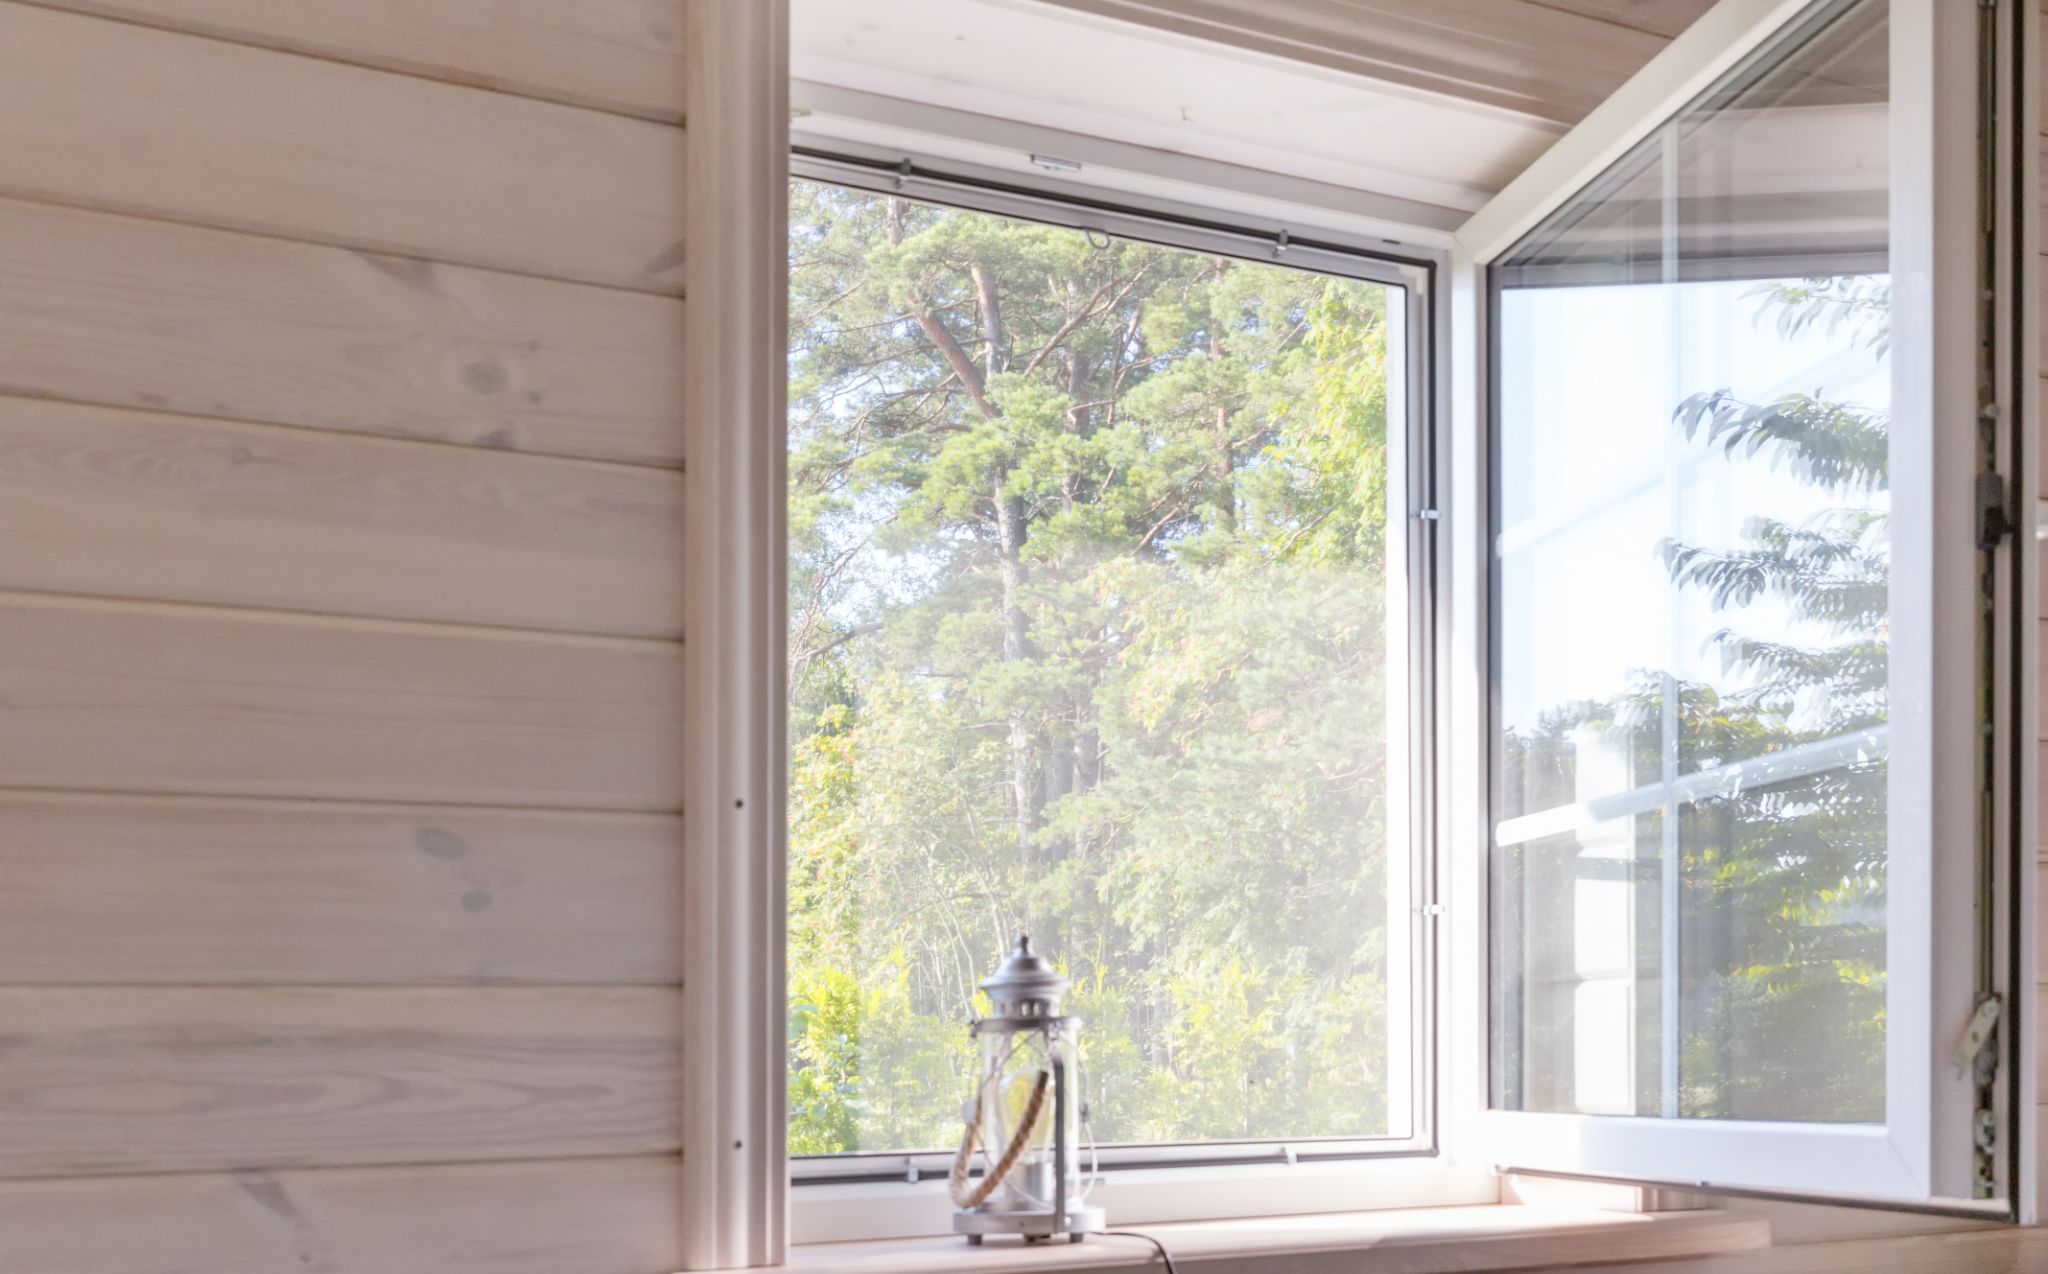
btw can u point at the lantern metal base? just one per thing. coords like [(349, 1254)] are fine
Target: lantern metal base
[(1036, 1227)]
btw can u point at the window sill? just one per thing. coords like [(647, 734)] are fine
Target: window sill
[(1408, 1241), (1139, 1198)]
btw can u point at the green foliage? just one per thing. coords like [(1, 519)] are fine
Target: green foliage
[(1781, 886), (1087, 639)]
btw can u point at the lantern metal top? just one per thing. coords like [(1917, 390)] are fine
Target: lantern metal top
[(1026, 985)]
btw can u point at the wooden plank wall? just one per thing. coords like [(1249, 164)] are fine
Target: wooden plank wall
[(341, 602), (2040, 443)]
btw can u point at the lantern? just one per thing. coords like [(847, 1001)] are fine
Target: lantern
[(1026, 1116)]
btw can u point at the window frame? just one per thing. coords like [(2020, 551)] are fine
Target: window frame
[(1732, 1153), (879, 1194), (736, 1205)]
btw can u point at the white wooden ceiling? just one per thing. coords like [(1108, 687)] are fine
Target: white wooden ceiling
[(1432, 103), (1551, 59)]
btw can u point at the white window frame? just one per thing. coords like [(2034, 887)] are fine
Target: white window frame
[(877, 1195), (737, 1208), (735, 1195), (1922, 1153)]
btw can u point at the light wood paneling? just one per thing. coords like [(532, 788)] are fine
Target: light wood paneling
[(1659, 17), (340, 766), (2041, 955), (128, 118), (2041, 210), (2041, 683), (1400, 1241), (2040, 1006), (1795, 1223), (2007, 1250), (2044, 450), (1532, 59), (127, 504), (2041, 780), (1682, 1242), (156, 891), (2041, 829), (620, 55), (105, 1080), (134, 313), (585, 1216), (152, 698)]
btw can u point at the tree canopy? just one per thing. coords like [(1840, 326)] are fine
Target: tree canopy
[(1087, 622), (1780, 885), (1088, 638)]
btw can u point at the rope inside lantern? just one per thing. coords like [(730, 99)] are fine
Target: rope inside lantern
[(1020, 1141)]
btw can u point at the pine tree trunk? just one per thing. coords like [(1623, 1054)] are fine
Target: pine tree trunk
[(1024, 782), (1012, 532), (1226, 461)]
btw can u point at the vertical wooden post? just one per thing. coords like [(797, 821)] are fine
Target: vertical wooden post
[(735, 1171), (2029, 325)]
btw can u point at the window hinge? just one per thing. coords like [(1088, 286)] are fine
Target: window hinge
[(1976, 1053), (1994, 519), (1977, 1032), (1430, 909), (1427, 515)]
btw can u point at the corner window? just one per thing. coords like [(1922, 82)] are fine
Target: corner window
[(1105, 598)]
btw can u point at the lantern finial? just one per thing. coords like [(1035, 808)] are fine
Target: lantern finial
[(1026, 984)]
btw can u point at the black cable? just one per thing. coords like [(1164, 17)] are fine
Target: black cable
[(1164, 1255)]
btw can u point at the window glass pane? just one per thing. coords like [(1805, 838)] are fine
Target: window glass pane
[(1690, 573), (1090, 638)]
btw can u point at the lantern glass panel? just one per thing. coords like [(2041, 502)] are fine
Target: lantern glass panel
[(1012, 1061)]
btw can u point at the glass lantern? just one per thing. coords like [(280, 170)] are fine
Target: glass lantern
[(1025, 1119)]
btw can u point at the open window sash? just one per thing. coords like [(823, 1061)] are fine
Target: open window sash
[(1700, 247)]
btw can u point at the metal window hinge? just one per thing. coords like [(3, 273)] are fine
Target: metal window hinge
[(1977, 1033), (1430, 909), (1976, 1054), (1427, 515)]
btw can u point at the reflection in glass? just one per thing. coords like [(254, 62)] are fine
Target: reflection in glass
[(1691, 606)]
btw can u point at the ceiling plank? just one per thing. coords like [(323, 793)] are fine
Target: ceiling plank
[(1658, 17), (1535, 59)]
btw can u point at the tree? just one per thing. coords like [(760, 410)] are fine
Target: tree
[(1782, 899), (1087, 638)]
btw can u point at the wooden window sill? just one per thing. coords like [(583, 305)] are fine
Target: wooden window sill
[(1467, 1240)]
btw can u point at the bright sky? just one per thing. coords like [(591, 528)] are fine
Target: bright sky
[(1595, 474)]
